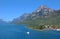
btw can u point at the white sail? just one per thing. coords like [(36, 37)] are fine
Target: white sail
[(28, 33)]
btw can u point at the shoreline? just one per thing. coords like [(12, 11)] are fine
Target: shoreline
[(44, 29)]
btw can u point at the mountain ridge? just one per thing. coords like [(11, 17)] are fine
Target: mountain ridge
[(41, 13), (3, 22)]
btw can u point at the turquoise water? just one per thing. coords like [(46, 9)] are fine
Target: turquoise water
[(19, 32)]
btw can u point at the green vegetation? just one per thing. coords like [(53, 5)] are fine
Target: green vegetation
[(54, 22), (42, 18), (45, 27)]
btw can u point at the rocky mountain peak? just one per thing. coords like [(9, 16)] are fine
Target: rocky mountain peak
[(40, 8), (42, 12), (43, 6)]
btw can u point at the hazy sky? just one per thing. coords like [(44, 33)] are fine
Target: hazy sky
[(10, 9)]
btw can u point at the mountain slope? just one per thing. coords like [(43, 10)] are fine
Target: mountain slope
[(42, 15)]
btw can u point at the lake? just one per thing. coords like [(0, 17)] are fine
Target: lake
[(14, 31)]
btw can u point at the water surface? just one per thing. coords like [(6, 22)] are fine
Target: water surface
[(13, 31)]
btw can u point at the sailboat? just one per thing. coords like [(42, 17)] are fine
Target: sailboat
[(28, 33)]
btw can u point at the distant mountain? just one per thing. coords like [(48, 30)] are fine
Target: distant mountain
[(2, 22), (42, 15)]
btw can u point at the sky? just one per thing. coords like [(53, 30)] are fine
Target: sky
[(10, 9)]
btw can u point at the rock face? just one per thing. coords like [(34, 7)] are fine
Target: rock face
[(42, 12)]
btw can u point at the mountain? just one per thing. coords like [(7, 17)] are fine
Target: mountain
[(2, 22), (21, 18), (42, 15)]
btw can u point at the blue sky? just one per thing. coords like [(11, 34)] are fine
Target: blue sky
[(10, 9)]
